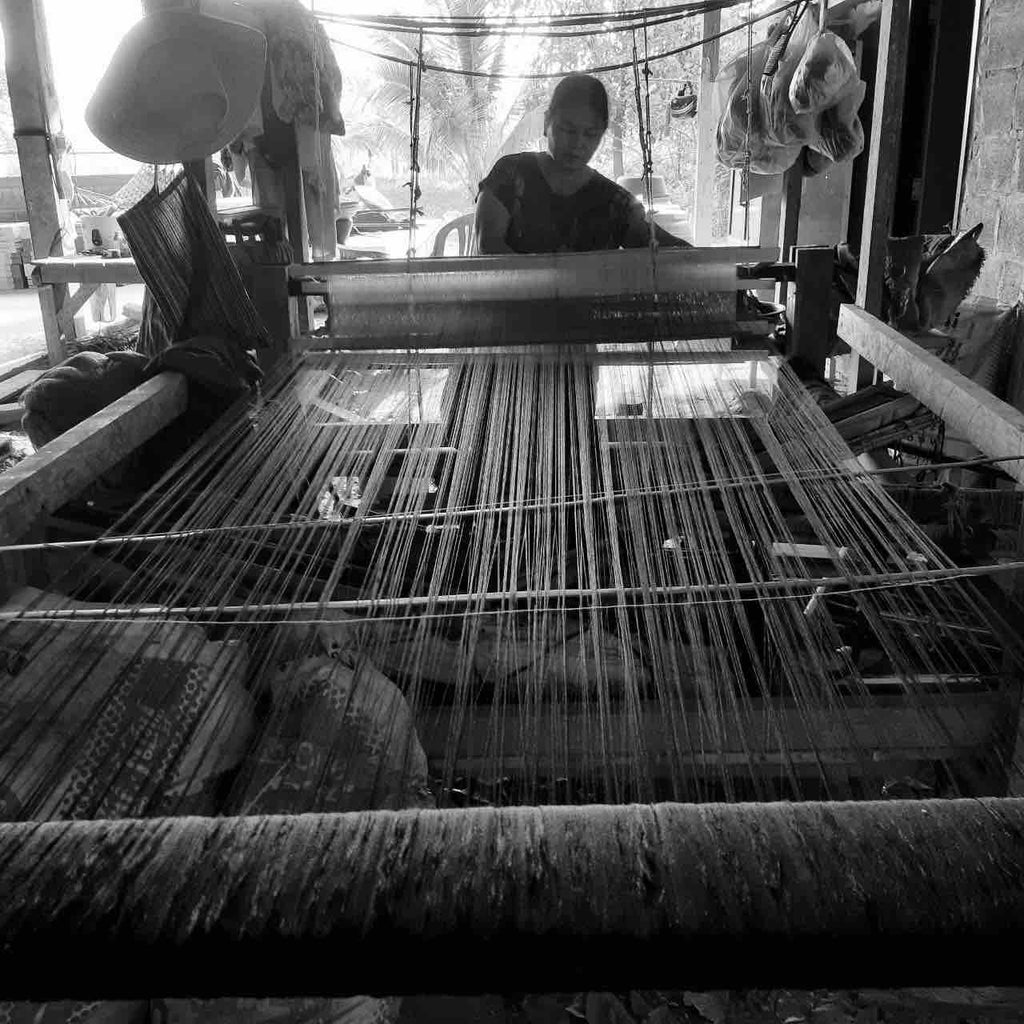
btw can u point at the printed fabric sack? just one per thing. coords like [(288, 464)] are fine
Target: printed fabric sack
[(114, 719), (339, 738)]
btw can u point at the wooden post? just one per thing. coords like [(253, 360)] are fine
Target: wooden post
[(883, 161), (789, 222), (51, 309), (811, 322), (37, 129), (704, 187), (202, 172)]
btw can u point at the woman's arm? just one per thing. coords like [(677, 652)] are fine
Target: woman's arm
[(490, 225), (638, 233)]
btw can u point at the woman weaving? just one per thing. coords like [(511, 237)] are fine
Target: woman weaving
[(554, 201)]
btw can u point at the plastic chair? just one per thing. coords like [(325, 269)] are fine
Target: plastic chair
[(464, 226)]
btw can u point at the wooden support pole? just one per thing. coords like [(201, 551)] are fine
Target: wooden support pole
[(990, 424), (701, 896), (38, 133), (883, 160), (63, 270), (57, 472), (789, 222), (704, 178), (202, 172), (37, 124), (811, 319), (50, 307)]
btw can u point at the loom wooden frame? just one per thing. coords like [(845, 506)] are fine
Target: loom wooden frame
[(956, 939), (54, 475)]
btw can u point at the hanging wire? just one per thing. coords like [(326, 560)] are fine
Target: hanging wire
[(603, 22), (541, 75), (649, 148)]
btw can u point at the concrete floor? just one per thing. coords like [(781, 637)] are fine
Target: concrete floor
[(21, 325)]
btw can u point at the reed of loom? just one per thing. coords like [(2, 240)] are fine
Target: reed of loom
[(808, 894)]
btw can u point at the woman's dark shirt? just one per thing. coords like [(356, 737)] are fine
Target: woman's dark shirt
[(596, 216)]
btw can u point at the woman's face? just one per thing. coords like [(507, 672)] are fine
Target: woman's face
[(574, 133)]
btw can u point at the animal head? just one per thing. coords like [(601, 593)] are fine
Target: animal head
[(950, 271), (902, 269)]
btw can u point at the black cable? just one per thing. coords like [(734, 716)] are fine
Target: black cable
[(603, 69), (519, 24)]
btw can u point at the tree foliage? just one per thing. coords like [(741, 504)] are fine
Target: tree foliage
[(467, 122), (464, 120)]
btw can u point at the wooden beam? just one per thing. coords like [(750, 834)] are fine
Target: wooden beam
[(969, 121), (201, 171), (51, 297), (39, 138), (11, 413), (50, 477), (540, 276), (883, 165), (12, 368), (884, 151), (11, 387), (940, 726), (37, 123), (993, 426), (789, 220), (72, 304), (707, 128), (883, 162), (85, 270), (811, 320)]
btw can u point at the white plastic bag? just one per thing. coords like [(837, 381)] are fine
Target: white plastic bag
[(765, 131), (840, 134), (824, 72)]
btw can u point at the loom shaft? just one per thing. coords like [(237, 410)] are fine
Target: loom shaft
[(535, 277), (671, 895)]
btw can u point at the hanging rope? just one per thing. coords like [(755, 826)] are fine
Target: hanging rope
[(542, 75), (415, 95), (750, 124)]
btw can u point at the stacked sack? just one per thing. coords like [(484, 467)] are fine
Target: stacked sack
[(806, 111), (115, 719), (339, 736)]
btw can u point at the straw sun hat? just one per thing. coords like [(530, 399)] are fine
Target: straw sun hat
[(180, 86)]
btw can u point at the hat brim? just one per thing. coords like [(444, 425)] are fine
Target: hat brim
[(240, 54)]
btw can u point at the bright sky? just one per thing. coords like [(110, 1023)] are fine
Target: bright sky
[(83, 37)]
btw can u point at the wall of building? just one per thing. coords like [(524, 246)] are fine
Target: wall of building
[(994, 176)]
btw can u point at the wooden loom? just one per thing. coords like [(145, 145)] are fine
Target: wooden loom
[(633, 891)]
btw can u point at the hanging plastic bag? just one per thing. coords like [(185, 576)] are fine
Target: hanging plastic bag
[(763, 131), (783, 126), (840, 132), (825, 70)]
